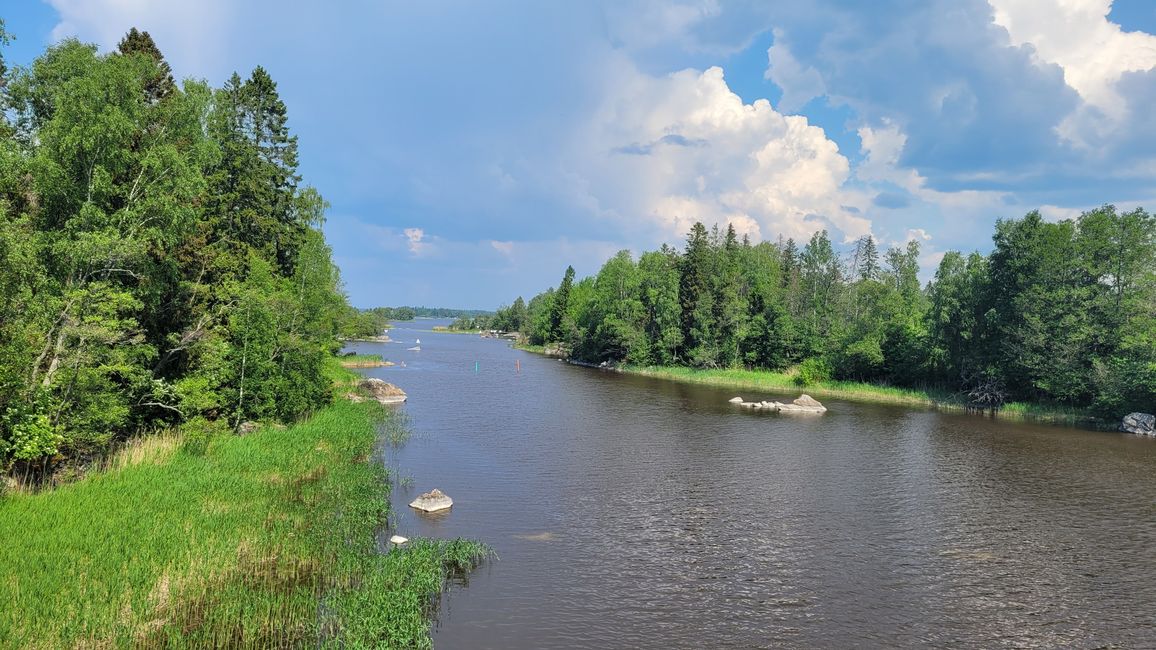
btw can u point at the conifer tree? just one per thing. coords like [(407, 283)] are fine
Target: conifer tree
[(160, 84)]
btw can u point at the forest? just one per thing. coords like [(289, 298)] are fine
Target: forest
[(1058, 313), (161, 261)]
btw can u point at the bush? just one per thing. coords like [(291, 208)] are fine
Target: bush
[(862, 360), (813, 371)]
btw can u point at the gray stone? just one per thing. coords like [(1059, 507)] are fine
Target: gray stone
[(247, 427), (382, 391), (432, 501), (398, 539), (1143, 424), (804, 404), (807, 400), (736, 400)]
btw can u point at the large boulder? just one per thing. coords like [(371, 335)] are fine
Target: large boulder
[(804, 404), (382, 391), (1143, 424), (432, 501)]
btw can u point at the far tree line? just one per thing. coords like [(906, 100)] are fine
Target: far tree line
[(1059, 312), (364, 323)]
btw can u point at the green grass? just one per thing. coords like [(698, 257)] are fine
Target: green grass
[(785, 382), (442, 329), (361, 360), (267, 540)]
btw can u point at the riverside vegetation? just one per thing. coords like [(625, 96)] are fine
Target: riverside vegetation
[(266, 540), (164, 279), (1059, 320)]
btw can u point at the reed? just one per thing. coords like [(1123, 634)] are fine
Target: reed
[(362, 361), (266, 540)]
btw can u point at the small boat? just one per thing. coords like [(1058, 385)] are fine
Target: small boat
[(416, 348)]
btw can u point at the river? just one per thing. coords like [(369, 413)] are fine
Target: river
[(633, 512)]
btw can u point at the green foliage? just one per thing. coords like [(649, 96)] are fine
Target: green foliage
[(159, 261), (860, 361), (231, 544), (1060, 313), (32, 437), (813, 371)]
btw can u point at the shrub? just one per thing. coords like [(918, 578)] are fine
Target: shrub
[(813, 371)]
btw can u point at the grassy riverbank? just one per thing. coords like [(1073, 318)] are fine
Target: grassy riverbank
[(785, 382), (266, 540)]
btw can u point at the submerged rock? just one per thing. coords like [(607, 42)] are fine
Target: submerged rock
[(382, 391), (736, 400), (432, 501), (1143, 424)]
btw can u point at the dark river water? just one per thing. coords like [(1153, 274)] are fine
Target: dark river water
[(630, 512)]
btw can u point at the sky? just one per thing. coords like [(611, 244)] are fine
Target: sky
[(471, 150)]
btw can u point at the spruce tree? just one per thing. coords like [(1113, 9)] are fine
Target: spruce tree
[(159, 85), (560, 306), (868, 259)]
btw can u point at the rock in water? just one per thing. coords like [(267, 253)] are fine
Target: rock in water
[(382, 391), (432, 501), (804, 404), (1143, 424), (398, 539), (736, 400)]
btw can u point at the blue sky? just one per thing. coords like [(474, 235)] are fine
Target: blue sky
[(471, 150)]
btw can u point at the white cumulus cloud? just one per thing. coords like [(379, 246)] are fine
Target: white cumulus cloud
[(800, 83), (675, 149), (1093, 51)]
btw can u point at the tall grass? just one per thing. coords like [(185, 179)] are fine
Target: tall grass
[(267, 540), (361, 361)]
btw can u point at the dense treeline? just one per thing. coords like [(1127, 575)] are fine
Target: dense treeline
[(1058, 312), (160, 261)]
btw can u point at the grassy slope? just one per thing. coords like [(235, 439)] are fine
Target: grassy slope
[(266, 540)]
